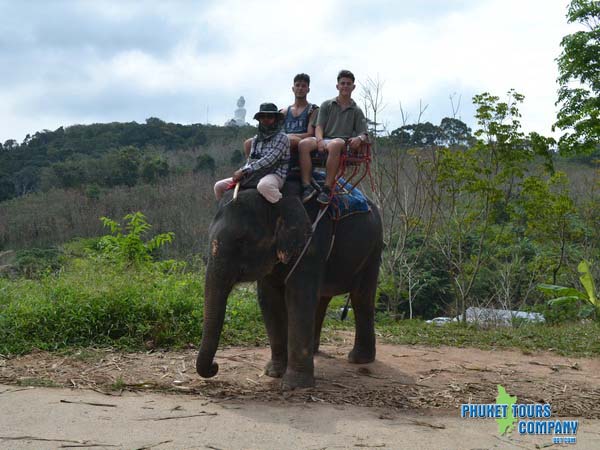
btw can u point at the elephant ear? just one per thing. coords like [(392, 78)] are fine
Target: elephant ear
[(292, 228)]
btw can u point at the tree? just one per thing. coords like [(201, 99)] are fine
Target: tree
[(121, 167), (419, 135), (477, 186), (552, 219), (10, 144), (579, 80), (455, 133), (154, 168), (7, 188), (372, 96), (206, 163)]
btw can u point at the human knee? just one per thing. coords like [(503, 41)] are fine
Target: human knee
[(335, 146), (268, 187), (218, 190), (307, 145), (294, 141)]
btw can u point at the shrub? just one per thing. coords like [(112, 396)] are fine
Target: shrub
[(125, 245)]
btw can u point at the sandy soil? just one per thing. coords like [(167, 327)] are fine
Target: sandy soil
[(408, 398)]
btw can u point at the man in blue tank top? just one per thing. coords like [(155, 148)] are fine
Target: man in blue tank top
[(300, 117)]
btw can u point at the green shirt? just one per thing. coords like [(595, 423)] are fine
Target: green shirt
[(341, 124)]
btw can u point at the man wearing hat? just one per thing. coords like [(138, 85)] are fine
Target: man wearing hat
[(269, 156)]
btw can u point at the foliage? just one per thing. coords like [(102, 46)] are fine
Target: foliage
[(551, 217), (476, 188), (154, 168), (91, 303), (565, 339), (426, 290), (35, 262), (205, 163), (125, 245), (182, 203), (579, 80), (568, 295), (108, 155), (450, 133)]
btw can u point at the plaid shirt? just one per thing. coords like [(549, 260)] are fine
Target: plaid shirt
[(273, 153)]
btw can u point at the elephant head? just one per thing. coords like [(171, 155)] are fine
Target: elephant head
[(247, 238)]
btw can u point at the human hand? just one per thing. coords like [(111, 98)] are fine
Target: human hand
[(355, 143), (238, 175), (320, 145)]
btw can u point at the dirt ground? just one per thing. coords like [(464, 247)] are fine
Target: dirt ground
[(408, 398)]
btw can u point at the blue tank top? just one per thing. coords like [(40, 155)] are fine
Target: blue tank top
[(298, 124)]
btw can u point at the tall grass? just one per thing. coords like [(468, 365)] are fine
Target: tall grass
[(90, 303)]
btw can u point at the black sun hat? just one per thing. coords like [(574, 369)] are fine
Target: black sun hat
[(267, 109)]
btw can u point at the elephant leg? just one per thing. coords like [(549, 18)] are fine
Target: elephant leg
[(301, 301), (363, 304), (320, 317), (272, 305)]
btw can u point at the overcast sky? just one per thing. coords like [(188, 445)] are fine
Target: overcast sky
[(66, 62)]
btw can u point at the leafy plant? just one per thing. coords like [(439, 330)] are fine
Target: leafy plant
[(37, 261), (579, 80), (567, 295), (125, 244)]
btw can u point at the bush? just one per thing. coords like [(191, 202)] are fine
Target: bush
[(125, 246), (90, 303), (37, 261)]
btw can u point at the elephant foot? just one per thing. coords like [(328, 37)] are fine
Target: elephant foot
[(275, 369), (297, 380), (357, 356)]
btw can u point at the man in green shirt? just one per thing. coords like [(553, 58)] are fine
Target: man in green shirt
[(340, 122)]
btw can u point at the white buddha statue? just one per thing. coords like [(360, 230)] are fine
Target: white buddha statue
[(239, 115)]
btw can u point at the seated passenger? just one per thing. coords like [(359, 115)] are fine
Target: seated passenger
[(340, 121), (269, 156), (299, 117)]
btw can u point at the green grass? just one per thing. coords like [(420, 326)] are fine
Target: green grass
[(89, 303), (569, 339)]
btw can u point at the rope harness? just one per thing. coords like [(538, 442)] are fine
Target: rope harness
[(322, 212), (360, 161)]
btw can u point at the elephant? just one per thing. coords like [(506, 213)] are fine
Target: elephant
[(251, 239)]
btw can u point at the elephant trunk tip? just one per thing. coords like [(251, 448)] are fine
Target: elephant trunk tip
[(206, 370)]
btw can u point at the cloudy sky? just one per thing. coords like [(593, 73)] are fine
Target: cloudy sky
[(66, 62)]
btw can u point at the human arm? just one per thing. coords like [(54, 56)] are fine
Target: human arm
[(312, 120), (319, 138), (248, 146), (360, 130), (322, 118)]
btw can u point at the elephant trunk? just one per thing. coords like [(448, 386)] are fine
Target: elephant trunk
[(216, 290)]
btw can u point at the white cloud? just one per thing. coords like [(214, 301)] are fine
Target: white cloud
[(218, 50)]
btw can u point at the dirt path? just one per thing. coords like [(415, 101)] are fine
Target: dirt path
[(408, 398)]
